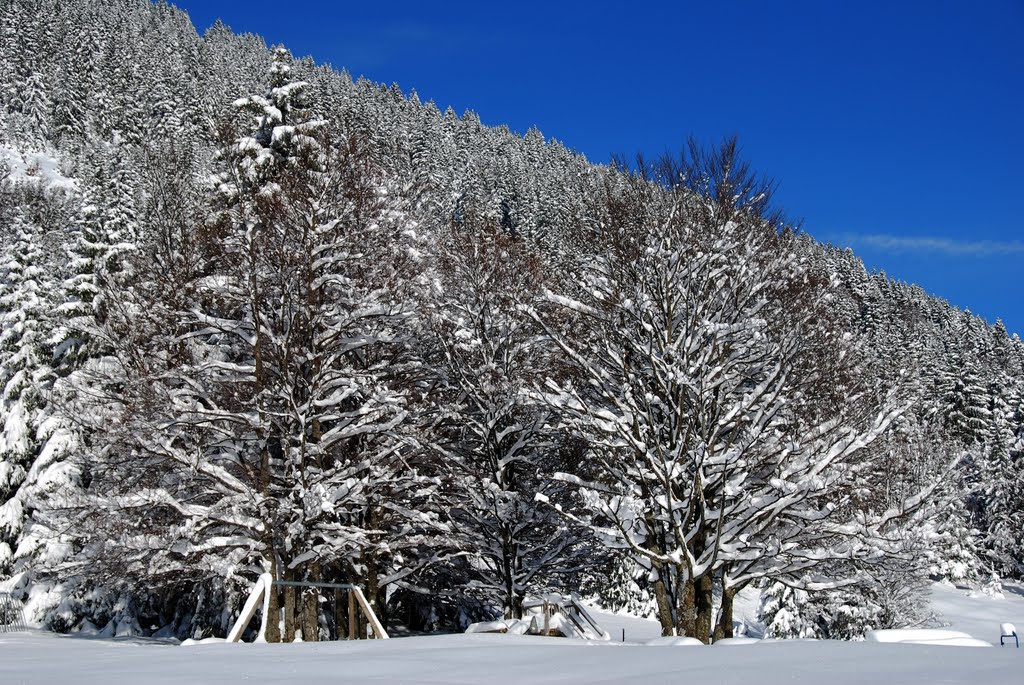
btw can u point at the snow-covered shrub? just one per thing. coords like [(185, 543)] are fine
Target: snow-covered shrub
[(623, 586), (950, 545), (894, 597), (992, 586), (786, 612), (428, 612)]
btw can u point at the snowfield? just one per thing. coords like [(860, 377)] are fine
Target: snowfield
[(40, 657), (979, 615), (478, 658)]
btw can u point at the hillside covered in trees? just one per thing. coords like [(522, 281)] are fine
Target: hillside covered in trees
[(260, 317)]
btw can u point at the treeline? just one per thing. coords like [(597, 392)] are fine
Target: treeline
[(264, 318)]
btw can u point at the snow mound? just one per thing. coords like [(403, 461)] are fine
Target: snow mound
[(510, 627), (674, 642), (734, 641), (925, 636), (204, 641)]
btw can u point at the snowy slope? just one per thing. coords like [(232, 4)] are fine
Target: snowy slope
[(637, 630)]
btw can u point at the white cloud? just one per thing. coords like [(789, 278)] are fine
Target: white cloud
[(928, 244)]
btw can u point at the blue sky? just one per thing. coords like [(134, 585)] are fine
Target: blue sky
[(894, 127)]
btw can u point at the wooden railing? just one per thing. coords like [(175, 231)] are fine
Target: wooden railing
[(12, 614)]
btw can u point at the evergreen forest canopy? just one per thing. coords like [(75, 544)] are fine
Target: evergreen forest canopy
[(260, 317)]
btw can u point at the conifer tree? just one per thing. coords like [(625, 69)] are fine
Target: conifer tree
[(786, 612)]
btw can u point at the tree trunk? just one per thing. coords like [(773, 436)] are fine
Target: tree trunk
[(664, 605), (513, 603), (513, 599), (517, 605), (724, 628), (311, 608), (340, 617), (273, 603), (371, 594), (353, 616), (289, 610), (372, 589), (264, 474), (687, 621), (310, 615), (705, 607)]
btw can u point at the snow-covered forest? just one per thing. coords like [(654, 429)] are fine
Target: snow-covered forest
[(259, 317)]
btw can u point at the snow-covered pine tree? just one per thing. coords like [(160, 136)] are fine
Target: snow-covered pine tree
[(34, 443), (1002, 489), (23, 373), (26, 94), (786, 612), (965, 402)]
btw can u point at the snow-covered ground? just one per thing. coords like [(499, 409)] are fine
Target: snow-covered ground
[(979, 615), (34, 167), (37, 657)]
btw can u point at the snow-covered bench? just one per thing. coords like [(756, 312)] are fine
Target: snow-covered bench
[(1008, 630)]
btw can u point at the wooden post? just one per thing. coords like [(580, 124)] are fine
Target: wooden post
[(371, 617), (260, 593), (353, 616)]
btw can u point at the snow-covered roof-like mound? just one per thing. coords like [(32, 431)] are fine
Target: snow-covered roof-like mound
[(925, 636)]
